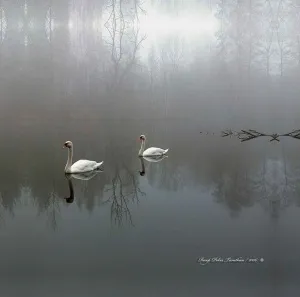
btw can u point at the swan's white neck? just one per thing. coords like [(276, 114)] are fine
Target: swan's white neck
[(70, 158), (142, 148)]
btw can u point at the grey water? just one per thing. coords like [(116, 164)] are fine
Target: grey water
[(101, 73)]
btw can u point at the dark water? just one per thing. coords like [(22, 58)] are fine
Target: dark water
[(103, 73)]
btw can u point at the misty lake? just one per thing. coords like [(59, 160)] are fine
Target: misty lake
[(101, 73)]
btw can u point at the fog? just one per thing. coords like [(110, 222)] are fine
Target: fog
[(101, 73)]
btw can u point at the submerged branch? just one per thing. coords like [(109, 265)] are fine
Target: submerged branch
[(245, 135)]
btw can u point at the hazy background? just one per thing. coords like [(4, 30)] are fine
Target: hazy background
[(100, 73)]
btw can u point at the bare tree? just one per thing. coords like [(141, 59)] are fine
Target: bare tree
[(124, 38)]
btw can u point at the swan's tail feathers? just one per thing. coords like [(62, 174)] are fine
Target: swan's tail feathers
[(98, 165), (166, 151)]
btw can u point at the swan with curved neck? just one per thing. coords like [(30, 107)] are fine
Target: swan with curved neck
[(151, 151), (81, 165)]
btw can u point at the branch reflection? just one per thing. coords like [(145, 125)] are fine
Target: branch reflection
[(124, 189), (52, 209)]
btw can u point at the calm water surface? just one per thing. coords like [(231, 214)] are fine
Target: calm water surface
[(103, 73)]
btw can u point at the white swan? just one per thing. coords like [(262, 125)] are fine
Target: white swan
[(151, 151), (81, 165)]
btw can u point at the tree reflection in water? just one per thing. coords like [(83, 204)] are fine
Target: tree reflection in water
[(124, 189), (52, 209), (273, 185)]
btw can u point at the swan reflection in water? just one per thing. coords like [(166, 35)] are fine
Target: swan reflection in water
[(152, 159), (81, 176)]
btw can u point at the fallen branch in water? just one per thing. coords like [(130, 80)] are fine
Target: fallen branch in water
[(294, 134), (245, 135), (228, 132)]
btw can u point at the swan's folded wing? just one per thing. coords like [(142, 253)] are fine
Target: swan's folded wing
[(83, 165), (153, 151)]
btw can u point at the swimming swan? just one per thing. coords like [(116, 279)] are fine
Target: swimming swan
[(81, 165), (151, 151)]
